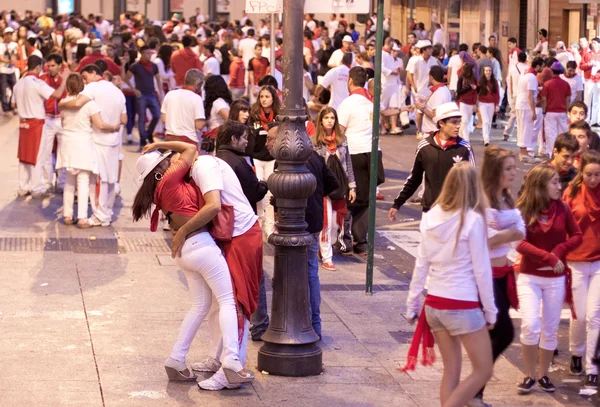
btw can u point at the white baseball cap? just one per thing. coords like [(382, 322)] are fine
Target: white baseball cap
[(147, 162), (423, 44), (8, 30), (347, 38), (445, 111), (395, 47)]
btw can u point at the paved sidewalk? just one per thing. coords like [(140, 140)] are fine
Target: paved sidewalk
[(87, 318)]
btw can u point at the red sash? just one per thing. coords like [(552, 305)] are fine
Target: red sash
[(183, 139), (30, 137), (511, 283)]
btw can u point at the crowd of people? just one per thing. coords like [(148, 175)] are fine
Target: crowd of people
[(206, 102)]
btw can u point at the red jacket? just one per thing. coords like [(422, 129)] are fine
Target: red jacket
[(586, 65), (586, 209), (52, 103), (237, 73), (182, 61), (96, 55)]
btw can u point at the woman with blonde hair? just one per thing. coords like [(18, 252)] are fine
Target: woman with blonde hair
[(453, 257), (505, 227), (76, 152), (583, 198), (544, 281), (329, 142)]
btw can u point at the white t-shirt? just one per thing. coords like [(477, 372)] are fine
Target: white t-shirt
[(211, 174), (215, 119), (182, 107), (212, 66), (333, 26), (111, 102), (440, 96), (527, 82), (388, 65), (336, 58), (420, 71), (10, 48), (30, 93), (356, 115), (77, 121), (576, 84), (246, 48), (337, 79), (455, 63), (514, 73)]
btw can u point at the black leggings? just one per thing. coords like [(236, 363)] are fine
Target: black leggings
[(503, 332)]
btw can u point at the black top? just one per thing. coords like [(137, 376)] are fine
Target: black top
[(254, 189), (435, 163), (226, 61), (257, 140), (323, 56)]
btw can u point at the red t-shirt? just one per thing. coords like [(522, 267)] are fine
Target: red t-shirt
[(237, 72), (557, 92), (91, 59), (52, 103), (586, 209), (259, 67)]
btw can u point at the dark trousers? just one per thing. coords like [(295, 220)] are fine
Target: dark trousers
[(7, 81), (503, 333), (149, 102), (131, 105), (260, 318)]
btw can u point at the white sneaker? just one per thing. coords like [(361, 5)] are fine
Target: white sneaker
[(94, 221), (117, 188), (209, 364), (216, 382), (166, 227)]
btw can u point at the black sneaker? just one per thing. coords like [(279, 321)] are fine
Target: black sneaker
[(576, 366), (546, 384), (592, 382), (505, 137), (526, 386)]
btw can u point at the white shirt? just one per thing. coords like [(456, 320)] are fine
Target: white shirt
[(576, 84), (456, 270), (564, 57), (333, 26), (103, 27), (356, 115), (526, 83), (420, 70), (439, 37), (182, 108), (167, 77), (514, 73), (212, 67), (246, 48), (78, 121), (503, 219), (389, 64), (212, 174), (10, 49), (111, 101), (266, 53), (542, 48), (336, 58), (455, 63), (440, 96), (215, 119), (30, 93), (337, 80)]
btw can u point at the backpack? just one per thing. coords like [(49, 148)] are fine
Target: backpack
[(334, 164)]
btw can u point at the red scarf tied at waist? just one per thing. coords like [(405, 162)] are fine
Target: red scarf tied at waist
[(423, 332), (362, 92), (511, 283)]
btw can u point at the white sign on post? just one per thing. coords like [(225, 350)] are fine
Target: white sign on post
[(264, 6)]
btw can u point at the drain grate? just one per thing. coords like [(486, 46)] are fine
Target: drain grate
[(83, 245)]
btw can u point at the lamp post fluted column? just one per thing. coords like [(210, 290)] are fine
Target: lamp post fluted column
[(290, 347)]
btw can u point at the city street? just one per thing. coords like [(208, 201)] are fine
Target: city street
[(88, 317)]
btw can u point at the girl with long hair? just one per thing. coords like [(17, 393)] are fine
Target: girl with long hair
[(164, 184), (240, 111), (466, 91), (263, 111), (216, 102), (505, 226), (544, 281), (130, 98), (583, 198), (496, 57), (329, 142), (163, 62), (453, 257), (489, 101), (76, 152)]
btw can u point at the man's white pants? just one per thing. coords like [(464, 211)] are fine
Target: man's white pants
[(527, 128), (329, 234), (266, 212), (52, 129), (399, 102), (554, 124), (591, 97), (583, 333), (512, 118), (108, 168), (487, 115), (540, 303), (466, 121), (31, 177), (538, 128)]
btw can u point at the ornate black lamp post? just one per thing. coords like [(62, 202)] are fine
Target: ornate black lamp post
[(290, 347)]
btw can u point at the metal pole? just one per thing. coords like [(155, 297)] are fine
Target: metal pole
[(290, 343), (116, 37), (374, 150), (273, 45), (145, 11)]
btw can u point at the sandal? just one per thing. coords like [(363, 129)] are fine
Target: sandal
[(178, 372), (237, 377), (68, 220)]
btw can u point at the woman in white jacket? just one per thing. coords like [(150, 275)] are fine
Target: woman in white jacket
[(454, 254)]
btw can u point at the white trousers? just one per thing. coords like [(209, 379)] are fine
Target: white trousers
[(466, 121), (512, 118), (31, 177), (487, 114), (266, 213), (591, 97), (52, 129), (207, 276), (81, 180), (554, 124), (583, 333), (216, 338), (103, 209), (540, 303), (538, 128), (527, 129), (399, 102), (329, 234)]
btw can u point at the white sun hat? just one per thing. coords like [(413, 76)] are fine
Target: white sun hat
[(147, 162)]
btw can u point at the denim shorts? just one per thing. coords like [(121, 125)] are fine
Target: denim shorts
[(456, 322)]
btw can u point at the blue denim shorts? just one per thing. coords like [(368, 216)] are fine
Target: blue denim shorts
[(456, 322)]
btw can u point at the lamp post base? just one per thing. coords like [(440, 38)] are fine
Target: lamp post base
[(294, 361)]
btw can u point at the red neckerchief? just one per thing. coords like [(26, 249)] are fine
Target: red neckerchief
[(265, 120), (546, 217), (362, 92), (444, 145), (211, 56), (531, 70), (515, 49), (331, 143), (147, 65), (436, 87), (591, 200), (32, 74), (55, 81)]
